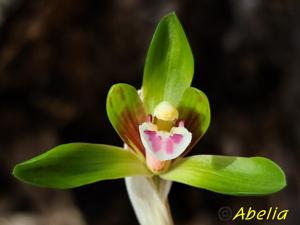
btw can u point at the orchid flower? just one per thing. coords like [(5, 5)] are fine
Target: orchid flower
[(159, 125)]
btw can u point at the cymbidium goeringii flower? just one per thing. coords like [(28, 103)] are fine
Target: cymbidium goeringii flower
[(158, 125)]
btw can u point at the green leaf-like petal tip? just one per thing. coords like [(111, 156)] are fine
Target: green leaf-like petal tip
[(229, 175), (169, 64), (76, 164)]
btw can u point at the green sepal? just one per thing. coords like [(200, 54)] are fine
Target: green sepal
[(76, 164), (229, 175), (194, 110), (126, 112), (169, 64)]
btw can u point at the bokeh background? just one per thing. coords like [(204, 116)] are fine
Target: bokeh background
[(58, 60)]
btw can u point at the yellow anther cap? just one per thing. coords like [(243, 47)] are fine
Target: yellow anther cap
[(166, 111)]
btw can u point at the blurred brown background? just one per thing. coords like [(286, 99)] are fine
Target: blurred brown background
[(59, 58)]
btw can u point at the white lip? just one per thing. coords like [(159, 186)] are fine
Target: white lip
[(162, 153)]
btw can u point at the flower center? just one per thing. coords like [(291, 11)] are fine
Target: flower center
[(166, 111), (162, 139), (165, 116)]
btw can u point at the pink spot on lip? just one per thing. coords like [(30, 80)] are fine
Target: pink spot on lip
[(176, 138), (150, 133), (156, 141), (169, 147)]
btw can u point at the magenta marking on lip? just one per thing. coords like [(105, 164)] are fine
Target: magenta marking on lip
[(169, 147), (156, 140), (176, 138)]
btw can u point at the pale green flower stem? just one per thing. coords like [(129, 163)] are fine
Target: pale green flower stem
[(149, 198)]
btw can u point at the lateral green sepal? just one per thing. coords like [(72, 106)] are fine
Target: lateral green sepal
[(76, 164), (229, 175)]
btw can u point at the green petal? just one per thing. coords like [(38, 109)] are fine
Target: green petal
[(76, 164), (169, 64), (194, 110), (126, 112), (229, 175)]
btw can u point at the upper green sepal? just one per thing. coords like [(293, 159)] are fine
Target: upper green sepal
[(240, 176), (169, 66), (76, 164)]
